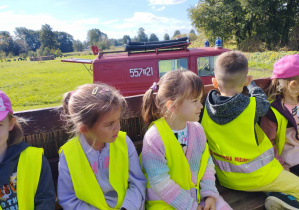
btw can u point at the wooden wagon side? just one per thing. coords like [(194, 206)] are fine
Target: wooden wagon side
[(45, 129)]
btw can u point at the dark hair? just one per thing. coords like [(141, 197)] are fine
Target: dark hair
[(176, 86), (16, 135), (88, 103), (231, 69)]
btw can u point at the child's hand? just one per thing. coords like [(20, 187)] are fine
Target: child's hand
[(285, 168), (209, 204), (199, 207)]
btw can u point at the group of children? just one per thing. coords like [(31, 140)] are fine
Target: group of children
[(99, 167)]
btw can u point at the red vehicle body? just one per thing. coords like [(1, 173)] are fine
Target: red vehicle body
[(134, 73)]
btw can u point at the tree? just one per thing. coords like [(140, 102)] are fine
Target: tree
[(19, 46), (6, 42), (153, 38), (47, 38), (104, 44), (65, 41), (192, 31), (176, 33), (166, 37), (94, 36), (142, 37), (126, 38), (31, 37), (78, 46), (268, 21)]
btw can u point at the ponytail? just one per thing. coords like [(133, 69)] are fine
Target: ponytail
[(150, 110), (65, 115)]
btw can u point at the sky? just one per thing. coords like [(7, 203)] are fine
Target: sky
[(116, 18)]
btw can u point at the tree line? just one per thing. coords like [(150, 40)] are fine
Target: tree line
[(45, 41), (269, 24)]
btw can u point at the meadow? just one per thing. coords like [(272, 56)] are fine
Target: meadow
[(33, 85)]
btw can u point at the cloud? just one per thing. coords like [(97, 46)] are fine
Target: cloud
[(77, 28), (109, 22), (158, 9), (165, 2), (113, 28), (3, 7), (150, 22)]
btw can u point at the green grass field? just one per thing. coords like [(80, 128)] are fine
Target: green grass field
[(33, 85)]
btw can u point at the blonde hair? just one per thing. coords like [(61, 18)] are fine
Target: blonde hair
[(88, 103), (16, 135), (231, 69), (176, 86), (278, 87)]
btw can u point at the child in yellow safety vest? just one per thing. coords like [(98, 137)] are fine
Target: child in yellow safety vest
[(98, 168), (25, 175), (175, 157), (242, 153), (281, 123)]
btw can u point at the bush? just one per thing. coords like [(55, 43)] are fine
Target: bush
[(40, 52), (32, 54), (252, 44)]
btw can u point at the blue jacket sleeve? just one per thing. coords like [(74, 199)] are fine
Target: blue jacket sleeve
[(45, 194)]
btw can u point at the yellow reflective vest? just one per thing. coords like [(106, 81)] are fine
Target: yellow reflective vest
[(28, 173), (282, 123), (85, 183), (242, 153), (179, 169)]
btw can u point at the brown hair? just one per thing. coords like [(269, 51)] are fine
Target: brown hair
[(279, 87), (88, 103), (176, 86), (16, 135), (231, 69)]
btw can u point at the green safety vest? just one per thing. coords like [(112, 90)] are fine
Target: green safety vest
[(28, 173), (282, 123), (179, 169), (241, 163), (85, 183)]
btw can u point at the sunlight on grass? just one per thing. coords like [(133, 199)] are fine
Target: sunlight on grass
[(32, 85)]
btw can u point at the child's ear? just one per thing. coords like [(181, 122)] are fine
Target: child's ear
[(293, 84), (83, 129), (215, 83), (12, 123), (169, 105), (248, 80)]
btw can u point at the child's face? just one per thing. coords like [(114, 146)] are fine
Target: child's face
[(190, 109), (6, 125), (107, 128)]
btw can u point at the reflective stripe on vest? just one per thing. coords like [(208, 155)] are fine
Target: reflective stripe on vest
[(241, 161), (85, 183), (29, 165), (282, 123), (179, 169)]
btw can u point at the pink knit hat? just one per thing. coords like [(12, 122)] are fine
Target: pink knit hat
[(286, 67), (5, 106)]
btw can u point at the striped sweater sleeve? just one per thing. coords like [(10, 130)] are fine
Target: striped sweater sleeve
[(154, 163), (207, 182), (197, 141)]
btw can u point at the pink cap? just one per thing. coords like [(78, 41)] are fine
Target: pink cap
[(5, 106), (286, 67)]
